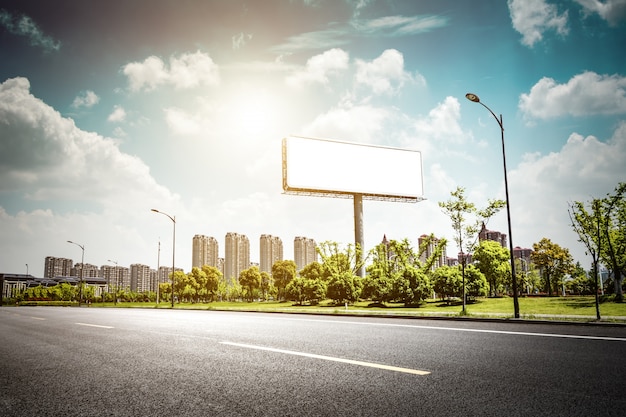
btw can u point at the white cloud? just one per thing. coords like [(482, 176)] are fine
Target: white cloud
[(442, 123), (543, 185), (320, 68), (399, 25), (85, 99), (532, 18), (240, 40), (46, 157), (118, 115), (25, 26), (583, 95), (613, 11), (385, 74), (187, 71)]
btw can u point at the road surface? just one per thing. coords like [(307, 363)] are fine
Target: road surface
[(143, 362)]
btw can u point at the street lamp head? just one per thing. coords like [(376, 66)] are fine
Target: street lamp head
[(155, 210), (472, 97)]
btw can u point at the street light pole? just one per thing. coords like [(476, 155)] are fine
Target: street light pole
[(474, 98), (82, 269), (173, 219), (117, 280)]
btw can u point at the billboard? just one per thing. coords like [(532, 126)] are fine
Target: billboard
[(334, 168)]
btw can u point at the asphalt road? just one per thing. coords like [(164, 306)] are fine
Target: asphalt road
[(133, 362)]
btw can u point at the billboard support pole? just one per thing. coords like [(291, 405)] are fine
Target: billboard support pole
[(359, 241)]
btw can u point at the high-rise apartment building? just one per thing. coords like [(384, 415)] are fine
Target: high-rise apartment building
[(271, 248), (88, 270), (430, 250), (57, 267), (304, 251), (204, 251), (140, 278), (237, 255), (485, 234)]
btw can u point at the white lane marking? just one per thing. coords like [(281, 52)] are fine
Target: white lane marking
[(331, 358), (458, 329), (37, 318), (95, 325)]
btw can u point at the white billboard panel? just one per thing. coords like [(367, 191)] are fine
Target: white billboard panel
[(321, 166)]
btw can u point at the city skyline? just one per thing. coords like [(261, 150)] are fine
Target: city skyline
[(108, 111)]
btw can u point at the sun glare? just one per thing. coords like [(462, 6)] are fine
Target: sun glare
[(254, 111)]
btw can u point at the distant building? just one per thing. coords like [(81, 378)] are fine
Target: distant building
[(485, 234), (271, 248), (57, 267), (88, 271), (140, 278), (237, 251), (430, 250), (304, 251), (204, 251), (523, 254)]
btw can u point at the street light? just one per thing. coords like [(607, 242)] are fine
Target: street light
[(173, 219), (117, 279), (82, 268), (474, 98)]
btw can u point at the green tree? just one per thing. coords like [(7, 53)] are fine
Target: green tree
[(338, 260), (250, 280), (447, 282), (466, 222), (553, 261), (493, 261), (282, 273), (476, 282), (198, 281), (266, 285), (213, 277), (344, 287)]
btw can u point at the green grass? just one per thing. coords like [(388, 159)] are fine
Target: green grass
[(555, 308)]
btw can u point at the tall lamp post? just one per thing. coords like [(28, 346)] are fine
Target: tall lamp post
[(474, 98), (117, 279), (173, 219), (82, 269)]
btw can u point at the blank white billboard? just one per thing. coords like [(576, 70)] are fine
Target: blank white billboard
[(321, 166)]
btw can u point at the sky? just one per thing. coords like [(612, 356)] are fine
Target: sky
[(110, 109)]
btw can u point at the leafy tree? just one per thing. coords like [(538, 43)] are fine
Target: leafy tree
[(313, 271), (213, 277), (250, 280), (493, 261), (266, 284), (414, 285), (381, 273), (344, 287), (466, 230), (447, 282), (198, 283), (282, 273), (553, 261), (338, 261), (180, 281), (302, 289), (476, 282)]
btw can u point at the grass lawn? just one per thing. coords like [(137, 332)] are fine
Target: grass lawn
[(558, 308)]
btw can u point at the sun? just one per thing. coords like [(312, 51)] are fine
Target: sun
[(253, 111)]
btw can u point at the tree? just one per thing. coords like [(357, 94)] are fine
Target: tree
[(553, 261), (614, 252), (266, 284), (344, 287), (337, 260), (476, 282), (213, 277), (447, 282), (302, 289), (282, 273), (458, 209), (250, 280), (180, 281), (493, 261)]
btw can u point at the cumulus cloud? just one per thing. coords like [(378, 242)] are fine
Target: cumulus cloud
[(584, 94), (85, 99), (613, 11), (44, 156), (584, 168), (118, 115), (385, 74), (240, 40), (186, 71), (25, 26), (320, 68), (532, 18)]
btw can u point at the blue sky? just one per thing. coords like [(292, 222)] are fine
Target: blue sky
[(109, 109)]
